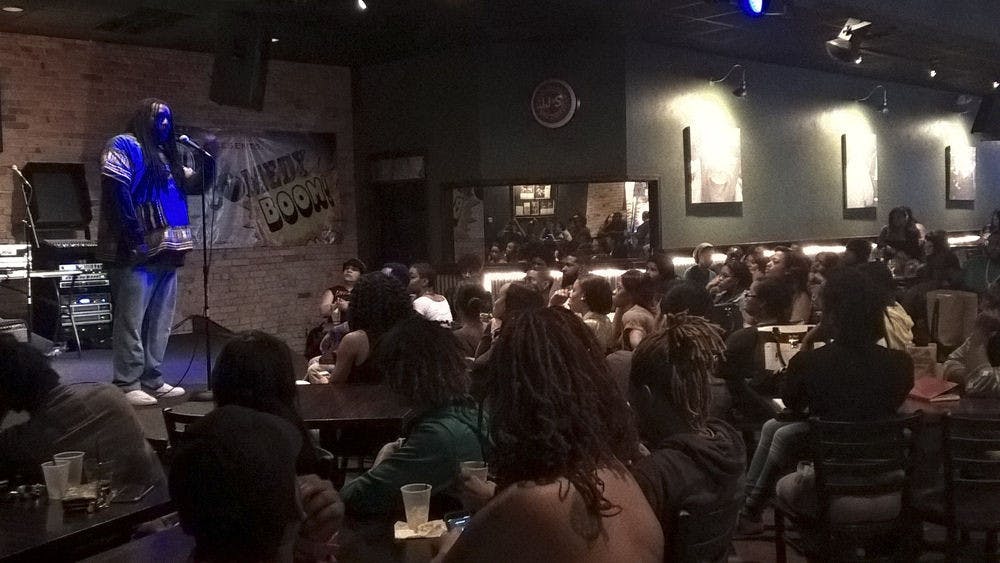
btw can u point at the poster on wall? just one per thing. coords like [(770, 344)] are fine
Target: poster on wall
[(468, 228), (713, 171), (960, 176), (859, 162), (272, 189)]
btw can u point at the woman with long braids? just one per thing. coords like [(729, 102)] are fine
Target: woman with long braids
[(421, 361), (378, 302), (696, 461), (562, 438)]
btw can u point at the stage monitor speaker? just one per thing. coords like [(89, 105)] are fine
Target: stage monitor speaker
[(240, 68), (988, 117)]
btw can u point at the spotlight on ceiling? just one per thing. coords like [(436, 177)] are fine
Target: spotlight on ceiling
[(932, 73), (754, 8), (13, 9), (741, 90), (362, 5), (996, 84), (846, 46), (882, 107)]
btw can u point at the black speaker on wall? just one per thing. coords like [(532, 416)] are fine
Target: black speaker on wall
[(988, 117), (240, 68)]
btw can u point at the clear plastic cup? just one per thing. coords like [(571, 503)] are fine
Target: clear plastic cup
[(56, 478), (75, 461), (477, 469), (417, 503)]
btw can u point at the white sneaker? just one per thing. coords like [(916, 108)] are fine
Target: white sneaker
[(167, 390), (140, 398)]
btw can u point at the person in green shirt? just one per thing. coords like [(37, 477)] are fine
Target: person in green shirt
[(421, 361)]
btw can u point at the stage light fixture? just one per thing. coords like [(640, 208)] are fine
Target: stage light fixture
[(362, 6), (932, 73), (846, 46), (996, 84), (882, 107), (754, 8), (741, 90)]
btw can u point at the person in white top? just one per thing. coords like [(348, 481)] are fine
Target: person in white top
[(429, 304)]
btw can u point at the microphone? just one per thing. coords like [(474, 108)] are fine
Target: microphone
[(188, 142)]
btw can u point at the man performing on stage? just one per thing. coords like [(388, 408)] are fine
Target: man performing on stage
[(143, 237)]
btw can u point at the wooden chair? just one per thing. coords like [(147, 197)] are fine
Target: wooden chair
[(970, 500), (176, 424), (704, 536), (859, 467)]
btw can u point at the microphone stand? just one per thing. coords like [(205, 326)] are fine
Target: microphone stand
[(207, 394), (28, 224)]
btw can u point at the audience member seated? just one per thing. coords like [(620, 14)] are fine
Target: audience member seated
[(573, 266), (255, 370), (539, 275), (591, 299), (660, 269), (93, 418), (901, 234), (234, 487), (428, 303), (897, 324), (984, 381), (971, 355), (792, 267), (857, 252), (768, 302), (756, 262), (471, 301), (852, 378), (513, 298), (696, 461), (731, 284), (823, 264), (701, 272), (378, 302), (421, 361), (562, 439), (333, 304), (634, 316), (983, 270)]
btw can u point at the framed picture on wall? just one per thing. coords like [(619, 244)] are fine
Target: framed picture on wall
[(859, 169), (533, 200), (960, 177), (713, 171)]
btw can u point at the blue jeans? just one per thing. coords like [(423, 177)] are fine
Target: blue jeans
[(778, 442), (144, 299)]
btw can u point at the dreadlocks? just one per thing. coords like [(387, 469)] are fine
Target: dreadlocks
[(677, 361), (142, 126), (421, 361), (554, 412)]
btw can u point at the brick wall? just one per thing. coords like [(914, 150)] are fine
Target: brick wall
[(603, 200), (60, 100)]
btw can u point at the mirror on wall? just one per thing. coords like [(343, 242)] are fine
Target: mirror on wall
[(513, 223)]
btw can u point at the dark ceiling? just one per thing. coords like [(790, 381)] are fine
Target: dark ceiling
[(901, 46)]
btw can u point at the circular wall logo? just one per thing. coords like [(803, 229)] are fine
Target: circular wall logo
[(553, 103)]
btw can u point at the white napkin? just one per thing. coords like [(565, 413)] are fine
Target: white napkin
[(432, 529)]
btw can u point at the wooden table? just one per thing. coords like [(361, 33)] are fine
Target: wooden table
[(335, 404), (360, 543), (39, 530), (966, 406)]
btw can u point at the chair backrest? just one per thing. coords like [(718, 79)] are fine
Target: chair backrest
[(867, 459), (972, 470), (176, 424), (704, 535)]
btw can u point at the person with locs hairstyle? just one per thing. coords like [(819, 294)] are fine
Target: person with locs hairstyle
[(143, 236), (562, 439)]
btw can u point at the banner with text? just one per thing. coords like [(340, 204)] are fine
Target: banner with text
[(272, 189)]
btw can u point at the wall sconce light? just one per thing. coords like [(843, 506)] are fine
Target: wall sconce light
[(741, 90), (884, 106)]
